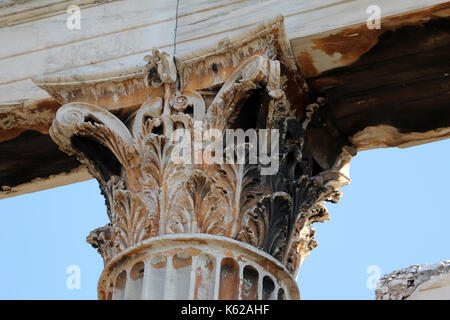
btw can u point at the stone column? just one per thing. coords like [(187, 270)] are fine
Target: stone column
[(207, 225)]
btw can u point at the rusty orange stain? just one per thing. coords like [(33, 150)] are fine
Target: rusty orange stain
[(352, 42), (160, 265), (204, 77), (229, 280), (307, 64), (179, 263), (198, 282), (343, 43), (42, 124), (199, 241), (229, 253)]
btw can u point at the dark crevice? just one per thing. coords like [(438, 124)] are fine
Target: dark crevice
[(105, 161), (158, 130), (253, 111)]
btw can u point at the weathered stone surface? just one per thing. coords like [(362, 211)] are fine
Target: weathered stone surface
[(196, 266), (401, 284), (252, 83), (340, 58), (119, 122)]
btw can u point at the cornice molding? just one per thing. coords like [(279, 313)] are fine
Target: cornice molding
[(15, 12)]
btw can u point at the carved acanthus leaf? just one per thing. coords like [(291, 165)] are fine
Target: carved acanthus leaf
[(132, 220), (101, 239), (209, 214)]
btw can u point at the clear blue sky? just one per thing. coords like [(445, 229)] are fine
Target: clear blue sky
[(395, 213)]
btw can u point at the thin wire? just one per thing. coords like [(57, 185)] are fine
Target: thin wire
[(176, 26)]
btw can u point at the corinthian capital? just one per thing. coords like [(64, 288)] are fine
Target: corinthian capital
[(265, 204)]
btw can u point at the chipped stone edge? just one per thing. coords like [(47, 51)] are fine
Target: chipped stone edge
[(401, 284), (39, 184)]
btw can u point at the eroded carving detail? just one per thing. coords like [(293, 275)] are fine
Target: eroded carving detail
[(148, 194)]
